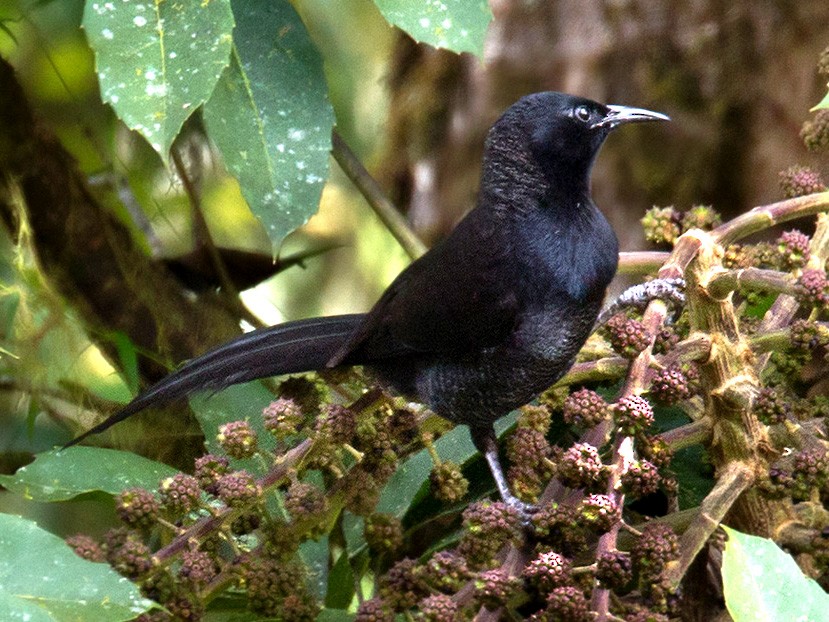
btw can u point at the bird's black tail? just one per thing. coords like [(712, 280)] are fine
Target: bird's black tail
[(292, 347)]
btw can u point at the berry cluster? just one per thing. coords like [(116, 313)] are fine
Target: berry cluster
[(798, 181), (663, 225), (627, 336), (585, 408), (240, 542)]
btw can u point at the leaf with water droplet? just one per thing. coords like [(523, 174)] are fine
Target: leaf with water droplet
[(457, 25), (41, 579), (158, 61), (269, 112)]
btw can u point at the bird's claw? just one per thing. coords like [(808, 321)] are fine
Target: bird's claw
[(669, 290), (524, 510)]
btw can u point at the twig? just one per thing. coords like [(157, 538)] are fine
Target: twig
[(375, 197), (591, 371), (694, 433), (733, 480), (695, 348), (784, 308), (723, 283), (623, 454), (765, 216), (202, 234), (641, 262), (209, 524), (770, 341), (200, 229)]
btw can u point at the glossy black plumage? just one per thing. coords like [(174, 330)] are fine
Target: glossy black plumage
[(493, 314)]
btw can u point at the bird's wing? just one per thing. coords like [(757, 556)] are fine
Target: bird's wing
[(457, 297)]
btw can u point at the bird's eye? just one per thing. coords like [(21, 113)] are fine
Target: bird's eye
[(582, 113)]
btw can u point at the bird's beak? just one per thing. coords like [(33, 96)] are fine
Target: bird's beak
[(624, 114)]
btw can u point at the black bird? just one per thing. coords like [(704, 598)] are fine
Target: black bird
[(489, 317)]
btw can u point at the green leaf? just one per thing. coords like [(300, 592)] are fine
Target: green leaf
[(158, 61), (271, 118), (41, 578), (315, 554), (824, 103), (457, 25), (695, 473), (690, 464), (61, 475), (762, 583), (340, 584), (335, 615), (128, 357), (9, 303)]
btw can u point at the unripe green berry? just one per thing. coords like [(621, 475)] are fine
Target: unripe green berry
[(86, 547), (661, 225), (628, 337), (703, 217), (198, 568), (548, 570), (568, 604), (447, 482), (438, 608), (581, 467), (599, 513), (633, 415), (374, 610), (815, 131), (446, 571), (209, 468), (798, 181), (656, 546), (641, 479), (383, 533), (614, 569), (493, 588), (670, 385), (305, 501), (793, 247)]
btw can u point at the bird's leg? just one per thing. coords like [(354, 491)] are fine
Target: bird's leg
[(487, 444), (669, 290)]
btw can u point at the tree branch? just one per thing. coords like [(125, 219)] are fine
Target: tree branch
[(373, 194)]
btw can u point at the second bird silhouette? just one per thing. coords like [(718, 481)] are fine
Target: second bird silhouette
[(488, 318)]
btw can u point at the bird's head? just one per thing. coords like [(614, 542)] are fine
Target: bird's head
[(559, 133)]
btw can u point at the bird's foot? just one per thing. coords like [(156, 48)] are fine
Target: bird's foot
[(524, 510), (671, 291)]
